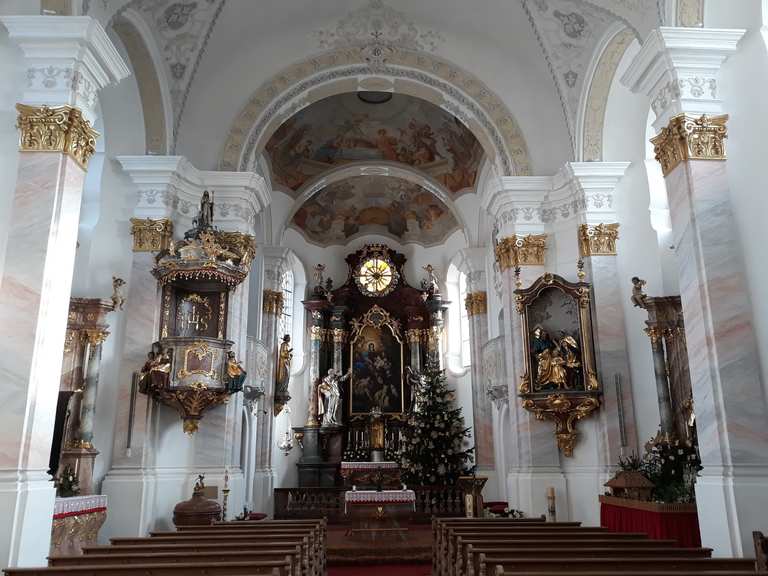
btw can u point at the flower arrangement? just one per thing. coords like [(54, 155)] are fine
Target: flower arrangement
[(67, 483), (672, 467)]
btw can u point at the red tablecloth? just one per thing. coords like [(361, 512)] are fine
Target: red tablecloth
[(683, 527)]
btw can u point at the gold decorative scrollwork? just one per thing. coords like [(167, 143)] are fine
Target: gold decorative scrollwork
[(687, 137), (476, 303), (598, 240), (339, 335), (60, 129), (564, 411), (198, 313), (204, 355), (516, 251), (273, 302), (151, 235), (413, 336)]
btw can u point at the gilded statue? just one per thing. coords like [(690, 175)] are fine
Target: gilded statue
[(376, 429), (156, 372), (558, 362), (329, 397), (235, 373), (284, 359)]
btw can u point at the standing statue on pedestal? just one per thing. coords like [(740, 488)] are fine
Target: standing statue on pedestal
[(418, 384), (330, 390), (284, 359), (204, 219), (235, 373)]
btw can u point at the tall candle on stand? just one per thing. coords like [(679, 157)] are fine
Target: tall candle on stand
[(551, 509)]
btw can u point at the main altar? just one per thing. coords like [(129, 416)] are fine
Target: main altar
[(369, 338)]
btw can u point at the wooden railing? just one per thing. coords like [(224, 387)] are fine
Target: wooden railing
[(440, 501)]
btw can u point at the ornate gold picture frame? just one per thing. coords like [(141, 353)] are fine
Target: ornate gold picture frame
[(377, 359), (560, 380)]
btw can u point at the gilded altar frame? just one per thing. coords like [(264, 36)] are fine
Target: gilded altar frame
[(565, 405), (378, 319)]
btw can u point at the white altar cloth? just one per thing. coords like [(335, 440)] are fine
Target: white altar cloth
[(373, 497), (369, 465)]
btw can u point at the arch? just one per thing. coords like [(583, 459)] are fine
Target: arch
[(419, 74), (381, 168), (602, 71), (146, 63)]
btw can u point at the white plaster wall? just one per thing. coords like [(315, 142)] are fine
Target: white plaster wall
[(10, 93)]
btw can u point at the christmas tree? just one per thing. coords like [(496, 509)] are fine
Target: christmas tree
[(434, 449)]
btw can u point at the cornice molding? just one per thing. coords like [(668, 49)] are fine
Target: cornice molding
[(678, 68), (68, 59)]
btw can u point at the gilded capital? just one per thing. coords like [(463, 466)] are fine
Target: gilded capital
[(521, 251), (476, 303), (690, 138), (413, 336), (273, 302), (598, 240), (339, 335), (151, 235), (95, 336), (60, 129)]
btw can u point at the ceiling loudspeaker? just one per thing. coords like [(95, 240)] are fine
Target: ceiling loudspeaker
[(374, 97)]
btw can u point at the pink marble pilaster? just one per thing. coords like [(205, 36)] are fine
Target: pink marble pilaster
[(482, 411), (729, 397), (34, 304)]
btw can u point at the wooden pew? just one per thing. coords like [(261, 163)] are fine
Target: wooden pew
[(500, 572), (141, 556), (470, 560), (761, 552), (267, 568), (312, 558), (448, 553), (316, 544), (491, 565)]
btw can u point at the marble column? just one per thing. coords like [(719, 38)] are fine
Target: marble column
[(56, 143), (476, 304), (726, 375), (666, 423), (154, 463), (414, 337)]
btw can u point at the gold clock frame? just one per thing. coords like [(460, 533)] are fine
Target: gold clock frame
[(564, 407)]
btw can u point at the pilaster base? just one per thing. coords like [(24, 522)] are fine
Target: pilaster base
[(730, 508), (143, 500), (263, 491), (26, 505), (527, 491)]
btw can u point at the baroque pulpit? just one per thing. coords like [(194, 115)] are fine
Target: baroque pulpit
[(366, 337)]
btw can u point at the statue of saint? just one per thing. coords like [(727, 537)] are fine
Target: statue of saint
[(418, 385), (430, 283), (204, 219), (156, 372), (376, 429), (284, 358), (235, 373), (330, 391)]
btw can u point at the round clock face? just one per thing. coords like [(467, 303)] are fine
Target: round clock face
[(376, 276)]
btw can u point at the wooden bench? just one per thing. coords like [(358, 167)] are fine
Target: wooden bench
[(141, 556), (761, 551), (267, 568), (312, 558), (470, 560), (490, 565), (500, 572), (448, 551)]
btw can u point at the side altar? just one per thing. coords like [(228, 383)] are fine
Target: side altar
[(369, 338)]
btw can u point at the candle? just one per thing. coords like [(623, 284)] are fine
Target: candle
[(551, 492)]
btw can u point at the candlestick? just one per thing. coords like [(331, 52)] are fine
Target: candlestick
[(225, 491), (551, 508)]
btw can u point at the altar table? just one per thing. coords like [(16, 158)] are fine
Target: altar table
[(379, 512), (371, 474), (660, 521), (76, 523)]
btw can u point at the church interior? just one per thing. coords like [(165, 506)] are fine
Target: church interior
[(383, 287)]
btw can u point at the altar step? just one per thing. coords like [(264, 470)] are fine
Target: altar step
[(413, 547)]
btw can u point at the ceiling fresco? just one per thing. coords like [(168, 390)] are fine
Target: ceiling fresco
[(374, 205), (343, 128)]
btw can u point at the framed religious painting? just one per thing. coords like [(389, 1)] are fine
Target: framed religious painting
[(376, 353), (559, 382)]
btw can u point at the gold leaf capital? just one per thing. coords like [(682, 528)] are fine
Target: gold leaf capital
[(273, 302), (476, 303), (151, 235), (517, 250), (598, 240), (689, 137), (60, 129)]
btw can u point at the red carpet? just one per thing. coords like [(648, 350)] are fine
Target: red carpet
[(382, 570)]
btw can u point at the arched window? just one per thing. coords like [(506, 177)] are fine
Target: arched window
[(466, 357)]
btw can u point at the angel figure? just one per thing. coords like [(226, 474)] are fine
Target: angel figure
[(638, 296), (418, 384), (329, 388), (118, 298)]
